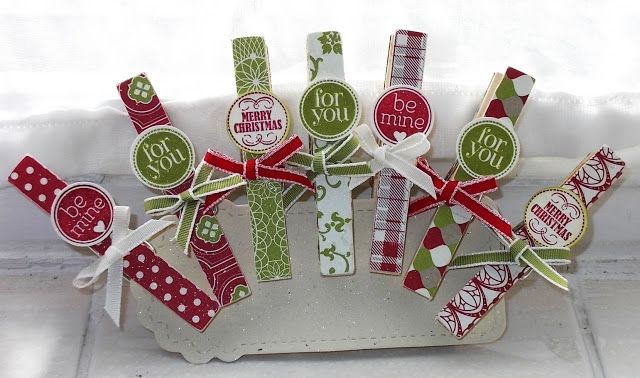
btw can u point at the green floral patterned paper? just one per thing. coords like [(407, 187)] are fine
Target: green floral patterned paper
[(268, 227), (333, 198)]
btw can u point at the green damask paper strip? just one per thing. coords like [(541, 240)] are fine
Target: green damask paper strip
[(333, 198), (268, 226)]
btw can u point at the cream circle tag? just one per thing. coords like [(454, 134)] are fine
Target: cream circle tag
[(487, 147), (257, 121), (82, 214), (329, 109), (400, 112), (556, 217), (162, 157)]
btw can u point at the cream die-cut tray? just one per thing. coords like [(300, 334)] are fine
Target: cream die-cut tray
[(311, 313)]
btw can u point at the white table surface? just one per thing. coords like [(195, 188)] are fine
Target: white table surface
[(50, 329)]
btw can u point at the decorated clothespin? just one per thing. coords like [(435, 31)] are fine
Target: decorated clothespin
[(84, 214), (258, 122), (555, 218), (400, 112), (329, 110), (487, 146), (162, 158), (461, 194)]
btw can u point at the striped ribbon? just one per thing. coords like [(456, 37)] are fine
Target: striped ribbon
[(539, 259), (462, 193), (190, 200), (331, 161)]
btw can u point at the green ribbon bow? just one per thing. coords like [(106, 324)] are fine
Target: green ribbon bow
[(330, 161), (189, 201), (539, 259)]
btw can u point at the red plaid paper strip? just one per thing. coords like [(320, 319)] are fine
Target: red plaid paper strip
[(393, 193)]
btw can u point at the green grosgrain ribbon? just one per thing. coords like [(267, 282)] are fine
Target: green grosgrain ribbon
[(539, 259), (189, 201), (331, 161)]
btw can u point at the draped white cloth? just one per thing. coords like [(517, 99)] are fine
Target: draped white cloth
[(70, 55)]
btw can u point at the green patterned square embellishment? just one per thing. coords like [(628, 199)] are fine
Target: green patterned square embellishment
[(140, 90)]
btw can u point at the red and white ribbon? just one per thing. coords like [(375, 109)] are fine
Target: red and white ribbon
[(266, 167), (462, 194)]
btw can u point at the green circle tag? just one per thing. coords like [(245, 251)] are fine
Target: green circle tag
[(329, 109), (162, 157), (487, 147)]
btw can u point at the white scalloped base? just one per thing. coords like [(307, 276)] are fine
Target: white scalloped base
[(310, 313)]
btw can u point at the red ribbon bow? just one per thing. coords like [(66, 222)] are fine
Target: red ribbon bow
[(464, 194), (266, 167)]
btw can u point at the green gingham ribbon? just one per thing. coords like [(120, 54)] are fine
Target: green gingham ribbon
[(539, 259), (189, 201), (331, 161)]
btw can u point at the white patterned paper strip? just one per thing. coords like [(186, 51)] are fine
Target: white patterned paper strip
[(335, 211), (324, 56)]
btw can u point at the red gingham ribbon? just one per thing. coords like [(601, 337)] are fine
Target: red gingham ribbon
[(463, 194), (266, 167)]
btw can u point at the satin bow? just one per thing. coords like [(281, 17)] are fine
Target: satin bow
[(400, 157), (123, 240)]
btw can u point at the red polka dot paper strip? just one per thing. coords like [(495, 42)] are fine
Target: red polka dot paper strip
[(208, 241), (142, 265), (589, 181)]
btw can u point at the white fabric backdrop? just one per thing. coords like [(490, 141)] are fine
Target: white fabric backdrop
[(70, 54)]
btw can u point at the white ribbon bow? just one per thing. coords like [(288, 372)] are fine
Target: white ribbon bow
[(123, 240), (400, 157)]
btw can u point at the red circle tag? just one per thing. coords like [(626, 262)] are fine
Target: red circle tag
[(82, 214), (400, 112)]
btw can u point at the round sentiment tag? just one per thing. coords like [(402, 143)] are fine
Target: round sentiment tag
[(329, 109), (257, 121), (556, 217), (82, 214), (487, 147), (400, 112), (162, 157)]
